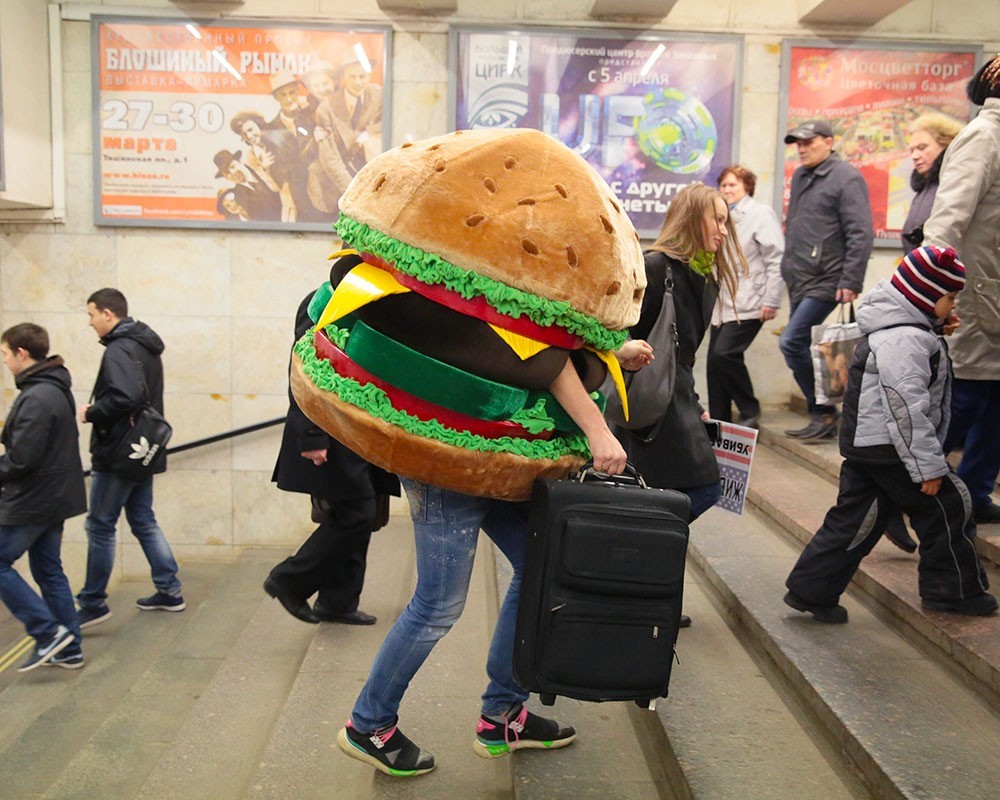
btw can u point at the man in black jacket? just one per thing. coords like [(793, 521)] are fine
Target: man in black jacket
[(345, 490), (828, 240), (130, 374), (41, 485)]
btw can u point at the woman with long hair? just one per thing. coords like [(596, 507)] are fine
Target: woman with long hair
[(698, 249)]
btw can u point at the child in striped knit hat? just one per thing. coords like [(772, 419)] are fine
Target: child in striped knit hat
[(895, 417)]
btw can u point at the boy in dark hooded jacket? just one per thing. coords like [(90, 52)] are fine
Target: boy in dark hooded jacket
[(896, 414), (41, 485)]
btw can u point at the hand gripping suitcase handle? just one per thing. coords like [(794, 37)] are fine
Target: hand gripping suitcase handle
[(630, 477)]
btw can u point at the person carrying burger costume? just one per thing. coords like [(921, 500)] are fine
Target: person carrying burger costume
[(493, 277)]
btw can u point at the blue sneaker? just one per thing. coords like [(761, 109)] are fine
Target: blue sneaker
[(44, 651), (67, 659), (161, 601), (88, 617)]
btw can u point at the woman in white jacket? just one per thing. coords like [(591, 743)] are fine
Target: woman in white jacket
[(737, 321)]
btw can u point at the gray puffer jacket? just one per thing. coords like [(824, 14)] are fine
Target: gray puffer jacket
[(898, 398)]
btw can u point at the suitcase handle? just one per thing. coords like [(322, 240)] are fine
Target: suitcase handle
[(630, 477)]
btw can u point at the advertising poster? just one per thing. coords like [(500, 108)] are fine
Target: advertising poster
[(233, 125), (650, 113), (734, 452), (870, 96)]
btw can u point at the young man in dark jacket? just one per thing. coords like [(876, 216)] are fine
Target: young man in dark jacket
[(41, 485), (130, 374)]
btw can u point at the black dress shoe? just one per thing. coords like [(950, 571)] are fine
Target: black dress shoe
[(296, 607), (750, 422), (832, 615), (987, 515), (345, 617)]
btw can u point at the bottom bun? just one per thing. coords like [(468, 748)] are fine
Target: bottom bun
[(505, 476)]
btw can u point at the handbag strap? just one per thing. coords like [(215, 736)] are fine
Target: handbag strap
[(840, 313)]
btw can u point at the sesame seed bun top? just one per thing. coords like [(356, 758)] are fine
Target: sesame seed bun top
[(516, 206)]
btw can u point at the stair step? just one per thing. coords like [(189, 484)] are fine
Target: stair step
[(823, 458), (50, 716), (798, 501), (734, 728), (911, 727), (439, 711)]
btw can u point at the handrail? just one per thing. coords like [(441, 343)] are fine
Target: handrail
[(257, 426)]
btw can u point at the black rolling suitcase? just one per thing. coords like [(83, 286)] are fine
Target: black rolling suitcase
[(601, 590)]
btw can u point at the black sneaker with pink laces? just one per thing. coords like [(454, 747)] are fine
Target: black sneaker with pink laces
[(519, 729), (388, 750)]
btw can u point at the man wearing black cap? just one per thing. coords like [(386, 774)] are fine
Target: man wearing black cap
[(828, 240)]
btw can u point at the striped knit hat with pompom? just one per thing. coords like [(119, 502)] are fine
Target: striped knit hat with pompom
[(927, 274)]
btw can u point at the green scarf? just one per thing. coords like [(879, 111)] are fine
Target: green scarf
[(702, 263)]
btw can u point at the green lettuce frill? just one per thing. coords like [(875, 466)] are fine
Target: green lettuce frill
[(515, 303), (376, 402)]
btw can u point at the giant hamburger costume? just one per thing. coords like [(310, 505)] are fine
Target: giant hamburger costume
[(481, 261)]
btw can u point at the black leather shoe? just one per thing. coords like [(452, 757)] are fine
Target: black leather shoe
[(750, 422), (296, 607), (820, 428), (897, 533), (795, 433), (345, 618), (832, 615), (685, 621), (987, 515)]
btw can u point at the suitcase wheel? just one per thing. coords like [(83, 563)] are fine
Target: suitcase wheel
[(547, 698), (648, 704)]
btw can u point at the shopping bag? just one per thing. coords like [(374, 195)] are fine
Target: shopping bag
[(831, 350)]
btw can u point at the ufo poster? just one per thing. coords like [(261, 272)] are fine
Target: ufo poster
[(651, 113)]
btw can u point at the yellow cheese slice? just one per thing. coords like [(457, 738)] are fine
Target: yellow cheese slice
[(523, 346), (347, 251), (362, 285), (615, 370)]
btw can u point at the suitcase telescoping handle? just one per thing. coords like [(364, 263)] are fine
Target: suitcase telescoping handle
[(630, 477)]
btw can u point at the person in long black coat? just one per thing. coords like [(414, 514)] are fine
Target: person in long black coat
[(347, 492), (698, 246)]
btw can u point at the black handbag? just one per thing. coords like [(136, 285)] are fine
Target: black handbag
[(142, 446), (651, 389)]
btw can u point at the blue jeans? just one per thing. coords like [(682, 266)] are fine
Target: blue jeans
[(109, 494), (446, 527), (794, 344), (41, 616), (975, 428), (702, 498)]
